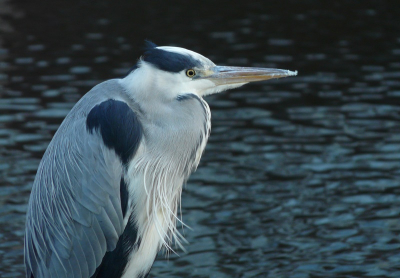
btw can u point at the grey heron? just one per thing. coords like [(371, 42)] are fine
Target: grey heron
[(107, 190)]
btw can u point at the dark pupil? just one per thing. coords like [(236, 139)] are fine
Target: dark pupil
[(190, 73)]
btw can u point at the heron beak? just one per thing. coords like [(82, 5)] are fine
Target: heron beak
[(222, 75)]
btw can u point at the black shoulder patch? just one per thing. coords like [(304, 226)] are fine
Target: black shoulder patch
[(169, 61), (118, 126)]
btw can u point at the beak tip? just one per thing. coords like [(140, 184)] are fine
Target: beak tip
[(292, 73)]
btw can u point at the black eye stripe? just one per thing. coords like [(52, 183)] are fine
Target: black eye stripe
[(169, 61)]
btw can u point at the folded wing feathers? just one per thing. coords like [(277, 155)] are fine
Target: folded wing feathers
[(88, 183)]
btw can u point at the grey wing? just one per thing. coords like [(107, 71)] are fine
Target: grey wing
[(75, 211)]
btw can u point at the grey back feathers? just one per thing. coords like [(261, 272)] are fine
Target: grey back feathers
[(75, 212)]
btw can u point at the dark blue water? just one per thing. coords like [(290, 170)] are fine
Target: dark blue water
[(301, 177)]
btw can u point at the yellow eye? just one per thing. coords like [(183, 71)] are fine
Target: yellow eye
[(190, 73)]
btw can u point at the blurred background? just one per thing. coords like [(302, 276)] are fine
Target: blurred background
[(301, 176)]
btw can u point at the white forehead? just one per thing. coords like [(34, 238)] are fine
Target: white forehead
[(185, 51)]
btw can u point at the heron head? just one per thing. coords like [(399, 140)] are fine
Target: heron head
[(177, 71)]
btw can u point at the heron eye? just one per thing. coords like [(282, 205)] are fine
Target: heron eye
[(190, 73)]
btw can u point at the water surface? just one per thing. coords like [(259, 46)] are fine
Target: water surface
[(301, 175)]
